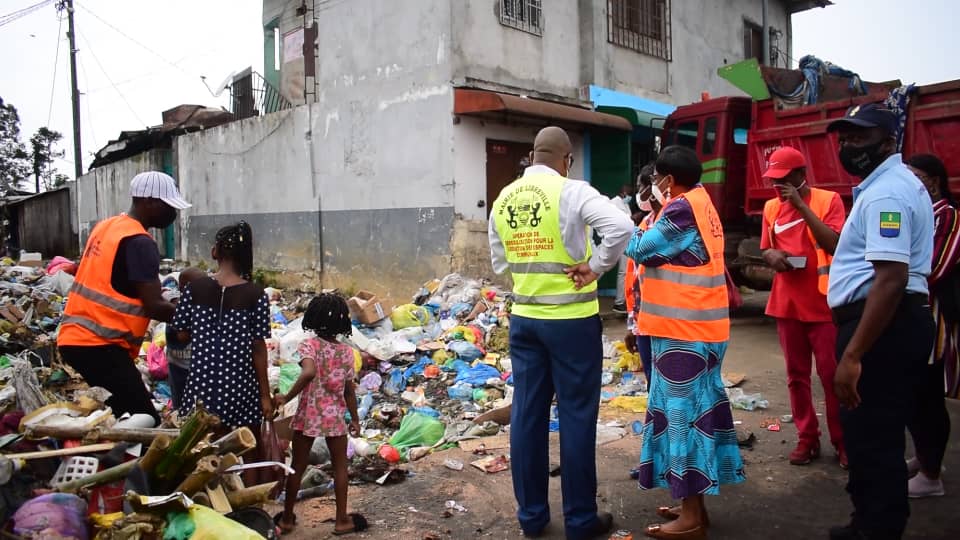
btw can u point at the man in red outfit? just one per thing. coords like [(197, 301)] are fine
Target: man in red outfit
[(800, 232)]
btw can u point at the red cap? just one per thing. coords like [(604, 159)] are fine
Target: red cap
[(782, 161)]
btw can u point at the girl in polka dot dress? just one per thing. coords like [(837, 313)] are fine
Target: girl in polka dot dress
[(226, 319), (326, 391)]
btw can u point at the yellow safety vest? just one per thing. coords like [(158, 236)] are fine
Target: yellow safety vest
[(527, 215)]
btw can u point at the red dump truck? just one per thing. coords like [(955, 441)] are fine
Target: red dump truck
[(734, 136)]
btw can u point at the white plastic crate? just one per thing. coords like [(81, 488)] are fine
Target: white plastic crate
[(74, 468)]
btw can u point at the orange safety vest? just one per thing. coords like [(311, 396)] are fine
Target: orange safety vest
[(635, 271), (96, 314), (689, 303), (820, 200)]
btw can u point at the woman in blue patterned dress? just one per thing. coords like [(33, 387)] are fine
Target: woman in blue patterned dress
[(689, 442)]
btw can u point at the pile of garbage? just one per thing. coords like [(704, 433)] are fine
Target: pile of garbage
[(31, 303), (432, 374)]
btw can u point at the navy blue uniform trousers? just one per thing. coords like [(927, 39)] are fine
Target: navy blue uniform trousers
[(562, 357)]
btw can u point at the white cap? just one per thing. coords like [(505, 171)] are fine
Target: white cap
[(157, 185)]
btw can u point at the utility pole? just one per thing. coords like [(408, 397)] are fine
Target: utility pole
[(74, 92)]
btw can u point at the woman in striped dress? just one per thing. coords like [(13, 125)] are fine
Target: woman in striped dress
[(930, 426)]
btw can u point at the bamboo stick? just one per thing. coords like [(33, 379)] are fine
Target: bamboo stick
[(112, 474), (91, 449), (238, 441), (196, 427), (206, 469), (131, 435), (155, 453), (250, 496)]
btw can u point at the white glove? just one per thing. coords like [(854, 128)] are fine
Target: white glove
[(170, 295)]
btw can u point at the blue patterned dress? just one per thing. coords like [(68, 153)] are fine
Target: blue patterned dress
[(689, 442)]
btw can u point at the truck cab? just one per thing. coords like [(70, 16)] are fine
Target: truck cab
[(716, 129)]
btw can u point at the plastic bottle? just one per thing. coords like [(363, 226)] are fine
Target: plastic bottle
[(365, 405)]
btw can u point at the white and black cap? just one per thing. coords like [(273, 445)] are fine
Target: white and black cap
[(157, 185)]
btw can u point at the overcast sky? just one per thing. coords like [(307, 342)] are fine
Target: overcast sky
[(128, 80)]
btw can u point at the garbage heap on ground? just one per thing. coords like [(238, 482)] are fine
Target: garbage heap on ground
[(432, 374)]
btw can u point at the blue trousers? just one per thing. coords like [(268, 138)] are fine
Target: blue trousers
[(562, 357), (645, 348)]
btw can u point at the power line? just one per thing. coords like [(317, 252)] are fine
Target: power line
[(122, 33), (124, 98), (20, 13), (56, 62)]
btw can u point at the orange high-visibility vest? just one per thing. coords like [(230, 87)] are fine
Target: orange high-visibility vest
[(96, 314), (635, 271), (820, 200), (689, 303)]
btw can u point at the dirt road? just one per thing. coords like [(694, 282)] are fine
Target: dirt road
[(778, 501)]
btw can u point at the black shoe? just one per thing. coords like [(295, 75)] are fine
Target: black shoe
[(601, 527), (533, 534), (620, 309)]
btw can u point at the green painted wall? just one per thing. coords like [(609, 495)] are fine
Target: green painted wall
[(609, 169)]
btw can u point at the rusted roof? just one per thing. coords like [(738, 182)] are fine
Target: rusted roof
[(469, 101)]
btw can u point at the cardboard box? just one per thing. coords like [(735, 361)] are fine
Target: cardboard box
[(367, 308)]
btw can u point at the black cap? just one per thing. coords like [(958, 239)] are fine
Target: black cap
[(869, 115)]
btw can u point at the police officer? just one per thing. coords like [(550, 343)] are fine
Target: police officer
[(878, 295), (539, 232)]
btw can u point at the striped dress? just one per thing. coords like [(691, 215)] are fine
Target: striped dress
[(946, 255), (689, 443)]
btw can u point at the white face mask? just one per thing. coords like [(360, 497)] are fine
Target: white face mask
[(658, 195), (644, 204)]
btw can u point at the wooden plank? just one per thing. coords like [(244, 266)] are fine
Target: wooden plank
[(89, 449)]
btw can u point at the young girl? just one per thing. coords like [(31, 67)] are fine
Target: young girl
[(226, 318), (328, 393)]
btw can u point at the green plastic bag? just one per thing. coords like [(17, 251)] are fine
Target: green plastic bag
[(417, 430), (409, 315), (289, 373), (202, 523)]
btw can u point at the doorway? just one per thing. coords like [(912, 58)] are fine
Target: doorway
[(503, 166)]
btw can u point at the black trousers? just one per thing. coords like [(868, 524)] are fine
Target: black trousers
[(112, 368), (874, 432), (930, 423)]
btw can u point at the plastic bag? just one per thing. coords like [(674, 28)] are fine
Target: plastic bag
[(477, 375), (157, 363), (409, 315), (289, 373), (66, 514), (202, 523), (272, 451), (465, 350), (395, 383), (418, 367), (637, 404), (417, 430), (733, 293)]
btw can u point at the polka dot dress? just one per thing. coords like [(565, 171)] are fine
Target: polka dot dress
[(224, 323)]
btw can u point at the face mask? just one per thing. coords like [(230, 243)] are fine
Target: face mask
[(658, 195), (644, 204), (860, 161)]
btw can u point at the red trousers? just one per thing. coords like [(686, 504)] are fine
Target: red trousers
[(801, 340)]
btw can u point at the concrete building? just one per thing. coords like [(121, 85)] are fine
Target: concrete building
[(410, 116)]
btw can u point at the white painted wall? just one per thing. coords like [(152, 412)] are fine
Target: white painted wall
[(470, 156)]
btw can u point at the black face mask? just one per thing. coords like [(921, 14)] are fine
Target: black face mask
[(860, 161)]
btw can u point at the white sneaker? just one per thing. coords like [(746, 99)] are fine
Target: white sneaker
[(920, 486)]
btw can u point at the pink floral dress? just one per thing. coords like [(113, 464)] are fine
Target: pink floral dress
[(322, 409)]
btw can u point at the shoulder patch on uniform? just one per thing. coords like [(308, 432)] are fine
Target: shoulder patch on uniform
[(890, 224)]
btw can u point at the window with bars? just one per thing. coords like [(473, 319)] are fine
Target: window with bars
[(641, 25), (523, 15)]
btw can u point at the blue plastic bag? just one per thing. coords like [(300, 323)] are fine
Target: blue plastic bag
[(417, 368), (395, 383), (426, 411), (465, 350), (461, 391), (478, 375)]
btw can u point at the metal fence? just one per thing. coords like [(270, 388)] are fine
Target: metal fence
[(526, 15), (251, 95), (641, 25)]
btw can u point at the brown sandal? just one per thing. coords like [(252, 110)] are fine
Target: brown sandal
[(673, 512), (696, 533)]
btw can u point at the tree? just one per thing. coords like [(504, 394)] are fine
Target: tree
[(42, 144), (14, 159)]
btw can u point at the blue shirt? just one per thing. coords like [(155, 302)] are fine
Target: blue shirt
[(891, 220)]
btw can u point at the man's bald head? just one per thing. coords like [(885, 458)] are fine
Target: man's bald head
[(552, 148)]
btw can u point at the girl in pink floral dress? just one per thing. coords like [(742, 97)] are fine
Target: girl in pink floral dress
[(326, 394)]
